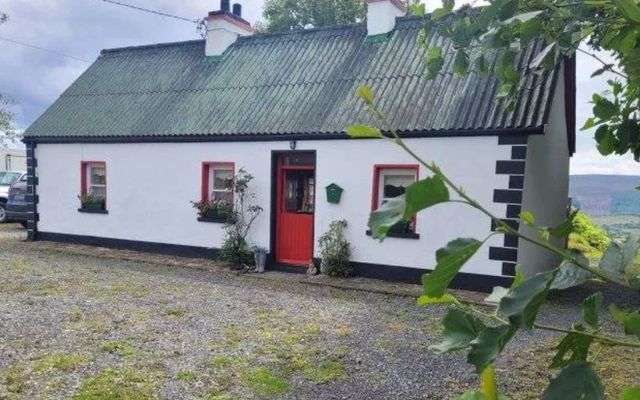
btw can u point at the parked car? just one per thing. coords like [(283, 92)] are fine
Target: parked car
[(7, 178), (17, 204)]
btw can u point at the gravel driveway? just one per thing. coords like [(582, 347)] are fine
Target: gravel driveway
[(93, 328)]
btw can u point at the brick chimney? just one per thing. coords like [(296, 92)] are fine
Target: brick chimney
[(224, 27), (382, 14)]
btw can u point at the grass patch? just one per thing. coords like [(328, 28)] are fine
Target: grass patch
[(16, 379), (117, 384), (175, 313), (134, 291), (617, 367), (222, 361), (185, 375), (325, 372), (61, 362), (118, 347), (265, 383)]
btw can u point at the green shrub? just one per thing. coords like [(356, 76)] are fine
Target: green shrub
[(592, 234), (335, 251)]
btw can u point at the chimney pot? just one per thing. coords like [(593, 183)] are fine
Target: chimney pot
[(237, 9), (224, 28), (382, 14)]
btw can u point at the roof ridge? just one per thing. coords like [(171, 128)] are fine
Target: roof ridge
[(256, 36), (152, 46)]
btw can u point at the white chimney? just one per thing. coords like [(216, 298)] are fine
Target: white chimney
[(224, 27), (382, 14)]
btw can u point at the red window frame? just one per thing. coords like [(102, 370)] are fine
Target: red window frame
[(377, 168), (206, 167), (83, 177)]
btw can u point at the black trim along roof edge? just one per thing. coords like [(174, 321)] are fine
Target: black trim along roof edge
[(273, 137)]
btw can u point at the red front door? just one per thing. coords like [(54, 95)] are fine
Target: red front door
[(295, 208)]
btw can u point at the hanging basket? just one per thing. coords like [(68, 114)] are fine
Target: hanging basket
[(334, 193)]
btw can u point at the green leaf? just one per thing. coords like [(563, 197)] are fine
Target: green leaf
[(460, 329), (629, 8), (471, 395), (530, 30), (631, 393), (424, 194), (572, 348), (577, 381), (521, 305), (611, 262), (448, 298), (486, 348), (571, 275), (599, 71), (546, 58), (528, 218), (481, 64), (418, 9), (524, 17), (629, 320), (439, 13), (461, 63), (449, 261), (591, 308), (365, 93), (498, 293), (363, 131), (606, 140), (389, 214), (434, 61), (564, 229), (518, 279), (603, 108), (448, 4)]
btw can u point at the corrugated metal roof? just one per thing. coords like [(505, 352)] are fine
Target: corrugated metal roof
[(300, 82)]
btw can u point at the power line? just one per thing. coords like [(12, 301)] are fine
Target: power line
[(44, 49), (162, 14)]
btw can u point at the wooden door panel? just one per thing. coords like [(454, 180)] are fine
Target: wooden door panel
[(295, 218)]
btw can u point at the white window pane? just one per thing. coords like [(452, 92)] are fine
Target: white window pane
[(97, 191), (222, 179), (395, 185), (97, 176), (227, 197)]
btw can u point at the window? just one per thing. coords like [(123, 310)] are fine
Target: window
[(94, 179), (391, 181), (299, 191), (217, 181)]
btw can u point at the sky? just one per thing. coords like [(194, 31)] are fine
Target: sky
[(82, 28)]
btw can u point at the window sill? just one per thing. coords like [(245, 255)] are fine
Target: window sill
[(91, 211), (401, 235), (215, 220)]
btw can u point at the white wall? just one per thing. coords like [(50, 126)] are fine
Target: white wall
[(150, 187), (546, 183), (13, 160)]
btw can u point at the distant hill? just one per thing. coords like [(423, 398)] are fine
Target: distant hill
[(604, 195)]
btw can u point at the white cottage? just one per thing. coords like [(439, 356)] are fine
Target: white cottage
[(152, 128)]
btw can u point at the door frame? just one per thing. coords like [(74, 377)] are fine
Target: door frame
[(273, 220)]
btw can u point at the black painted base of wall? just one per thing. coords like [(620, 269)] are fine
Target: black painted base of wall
[(467, 281), (150, 247)]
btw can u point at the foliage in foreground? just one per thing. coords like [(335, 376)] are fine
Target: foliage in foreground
[(488, 39), (235, 248), (335, 251), (484, 335)]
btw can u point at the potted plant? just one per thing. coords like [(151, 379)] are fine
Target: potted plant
[(217, 209), (89, 202)]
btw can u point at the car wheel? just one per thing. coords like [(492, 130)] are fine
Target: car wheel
[(3, 212), (24, 224)]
